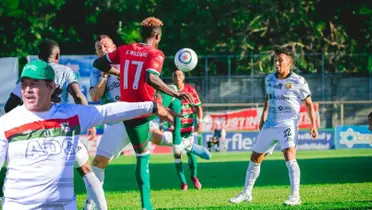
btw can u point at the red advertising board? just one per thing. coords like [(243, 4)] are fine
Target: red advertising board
[(249, 119)]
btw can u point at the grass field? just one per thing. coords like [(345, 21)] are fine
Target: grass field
[(333, 179)]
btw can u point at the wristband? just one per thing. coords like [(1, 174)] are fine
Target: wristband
[(154, 107)]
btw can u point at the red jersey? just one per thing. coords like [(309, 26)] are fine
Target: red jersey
[(135, 61), (188, 111)]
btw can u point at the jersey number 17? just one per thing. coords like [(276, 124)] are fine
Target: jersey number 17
[(137, 76)]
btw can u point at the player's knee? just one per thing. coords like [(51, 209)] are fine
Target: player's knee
[(100, 161), (257, 157), (84, 169), (289, 153)]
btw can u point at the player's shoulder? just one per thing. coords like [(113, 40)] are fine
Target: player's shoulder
[(61, 68), (189, 87), (156, 52), (270, 77), (296, 78)]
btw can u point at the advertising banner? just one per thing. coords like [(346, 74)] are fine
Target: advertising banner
[(243, 141), (353, 137), (249, 119), (8, 79)]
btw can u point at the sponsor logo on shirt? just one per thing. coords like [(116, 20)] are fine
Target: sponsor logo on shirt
[(280, 109), (279, 98), (113, 85), (277, 86)]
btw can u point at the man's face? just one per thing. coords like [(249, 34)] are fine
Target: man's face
[(283, 63), (370, 123), (178, 78), (104, 46), (36, 94)]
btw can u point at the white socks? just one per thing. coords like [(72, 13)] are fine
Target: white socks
[(294, 177), (167, 139), (95, 190), (100, 173), (250, 178)]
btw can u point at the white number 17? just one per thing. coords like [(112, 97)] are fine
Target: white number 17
[(137, 76)]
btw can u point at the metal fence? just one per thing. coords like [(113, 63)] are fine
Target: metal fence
[(239, 79)]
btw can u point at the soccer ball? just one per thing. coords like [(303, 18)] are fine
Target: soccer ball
[(185, 59)]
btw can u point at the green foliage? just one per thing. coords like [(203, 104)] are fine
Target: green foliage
[(211, 27)]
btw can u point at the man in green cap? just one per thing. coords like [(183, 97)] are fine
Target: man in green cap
[(39, 140), (66, 84)]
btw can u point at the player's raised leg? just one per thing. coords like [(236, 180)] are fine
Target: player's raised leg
[(112, 142), (92, 183)]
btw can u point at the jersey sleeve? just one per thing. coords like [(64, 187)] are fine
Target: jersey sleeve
[(304, 91), (3, 147), (70, 77), (94, 78), (197, 101), (90, 115), (114, 57), (17, 90), (155, 63)]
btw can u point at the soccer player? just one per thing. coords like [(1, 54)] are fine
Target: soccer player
[(66, 82), (188, 113), (218, 134), (279, 122), (370, 121), (106, 88), (39, 140), (140, 68)]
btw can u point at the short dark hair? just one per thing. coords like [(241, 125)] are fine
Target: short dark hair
[(102, 36), (46, 48), (370, 116), (150, 27), (287, 51)]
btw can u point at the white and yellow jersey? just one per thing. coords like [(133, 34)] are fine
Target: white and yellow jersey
[(40, 147), (284, 99)]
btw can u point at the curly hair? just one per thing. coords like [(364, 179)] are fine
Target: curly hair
[(150, 27)]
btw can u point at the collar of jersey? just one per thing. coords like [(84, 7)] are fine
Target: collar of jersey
[(290, 73)]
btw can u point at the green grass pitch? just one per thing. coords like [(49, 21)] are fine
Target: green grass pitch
[(334, 179)]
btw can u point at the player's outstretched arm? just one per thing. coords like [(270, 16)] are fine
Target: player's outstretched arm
[(311, 113), (121, 111), (158, 84), (12, 102)]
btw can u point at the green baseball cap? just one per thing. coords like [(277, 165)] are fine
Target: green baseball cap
[(38, 69)]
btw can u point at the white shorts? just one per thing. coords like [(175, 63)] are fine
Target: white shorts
[(269, 137), (81, 156), (113, 141)]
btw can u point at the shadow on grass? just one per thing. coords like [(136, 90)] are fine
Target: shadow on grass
[(232, 174)]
